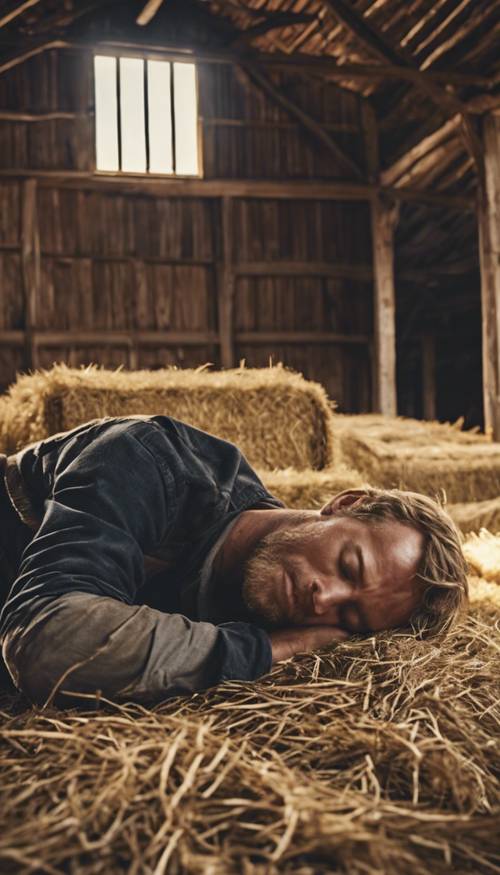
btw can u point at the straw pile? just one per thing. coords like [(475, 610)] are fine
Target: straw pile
[(309, 489), (277, 418), (421, 456), (374, 756), (476, 515), (483, 554)]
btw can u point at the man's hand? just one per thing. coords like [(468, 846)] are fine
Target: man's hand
[(298, 639)]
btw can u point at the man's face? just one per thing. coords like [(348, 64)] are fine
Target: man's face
[(340, 571)]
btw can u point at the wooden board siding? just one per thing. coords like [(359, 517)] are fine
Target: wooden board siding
[(130, 263)]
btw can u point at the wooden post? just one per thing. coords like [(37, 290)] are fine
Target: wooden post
[(429, 376), (30, 267), (489, 249), (384, 220), (226, 287)]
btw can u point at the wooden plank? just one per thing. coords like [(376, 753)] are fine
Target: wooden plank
[(16, 9), (226, 286), (299, 337), (304, 268), (489, 250), (175, 338), (245, 188), (258, 79), (428, 353), (384, 219), (15, 116), (30, 266), (296, 63), (370, 133), (148, 12), (393, 173)]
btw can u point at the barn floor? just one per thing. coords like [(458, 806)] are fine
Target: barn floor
[(377, 756)]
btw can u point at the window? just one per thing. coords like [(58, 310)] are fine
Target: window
[(146, 116)]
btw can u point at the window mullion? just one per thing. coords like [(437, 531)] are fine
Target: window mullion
[(119, 112), (146, 112), (172, 118)]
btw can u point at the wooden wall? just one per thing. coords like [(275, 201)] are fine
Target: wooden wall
[(122, 275)]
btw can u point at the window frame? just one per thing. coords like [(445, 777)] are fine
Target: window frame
[(145, 56)]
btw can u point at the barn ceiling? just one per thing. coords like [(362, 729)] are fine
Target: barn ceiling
[(429, 68)]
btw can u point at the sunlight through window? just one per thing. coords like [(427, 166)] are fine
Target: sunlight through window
[(186, 139), (146, 116), (132, 115), (160, 117), (106, 130)]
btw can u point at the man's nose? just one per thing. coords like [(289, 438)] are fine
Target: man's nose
[(328, 593)]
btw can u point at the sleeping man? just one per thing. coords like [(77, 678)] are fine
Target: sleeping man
[(143, 558)]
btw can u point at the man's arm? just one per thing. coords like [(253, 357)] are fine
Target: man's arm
[(300, 639)]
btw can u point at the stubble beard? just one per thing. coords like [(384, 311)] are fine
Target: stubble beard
[(263, 573)]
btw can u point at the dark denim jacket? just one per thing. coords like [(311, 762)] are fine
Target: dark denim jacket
[(102, 496)]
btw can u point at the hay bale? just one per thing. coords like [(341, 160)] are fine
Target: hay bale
[(4, 406), (482, 552), (274, 415), (309, 489), (375, 755), (424, 457), (476, 515)]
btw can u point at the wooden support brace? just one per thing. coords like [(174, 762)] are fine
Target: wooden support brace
[(30, 266), (489, 250), (384, 219)]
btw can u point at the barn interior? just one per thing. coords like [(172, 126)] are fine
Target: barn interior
[(198, 198)]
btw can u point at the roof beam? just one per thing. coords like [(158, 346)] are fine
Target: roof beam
[(371, 39), (17, 9), (391, 175), (273, 22), (148, 12), (300, 63)]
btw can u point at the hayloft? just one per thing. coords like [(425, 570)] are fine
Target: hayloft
[(276, 221)]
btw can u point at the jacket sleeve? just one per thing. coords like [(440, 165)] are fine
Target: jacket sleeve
[(112, 503)]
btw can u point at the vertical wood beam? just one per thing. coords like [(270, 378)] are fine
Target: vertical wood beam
[(30, 267), (226, 286), (428, 350), (384, 220), (489, 251)]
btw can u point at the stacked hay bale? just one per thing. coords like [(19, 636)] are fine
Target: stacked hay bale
[(283, 423), (430, 457), (421, 456), (275, 416)]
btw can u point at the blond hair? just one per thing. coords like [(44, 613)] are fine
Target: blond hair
[(443, 567)]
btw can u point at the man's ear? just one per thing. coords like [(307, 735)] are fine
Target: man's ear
[(341, 500)]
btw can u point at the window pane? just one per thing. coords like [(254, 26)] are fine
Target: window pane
[(159, 117), (186, 133), (132, 114), (106, 115)]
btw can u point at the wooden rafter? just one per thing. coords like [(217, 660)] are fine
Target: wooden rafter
[(148, 12), (274, 21), (391, 175), (374, 41), (16, 10), (258, 79)]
